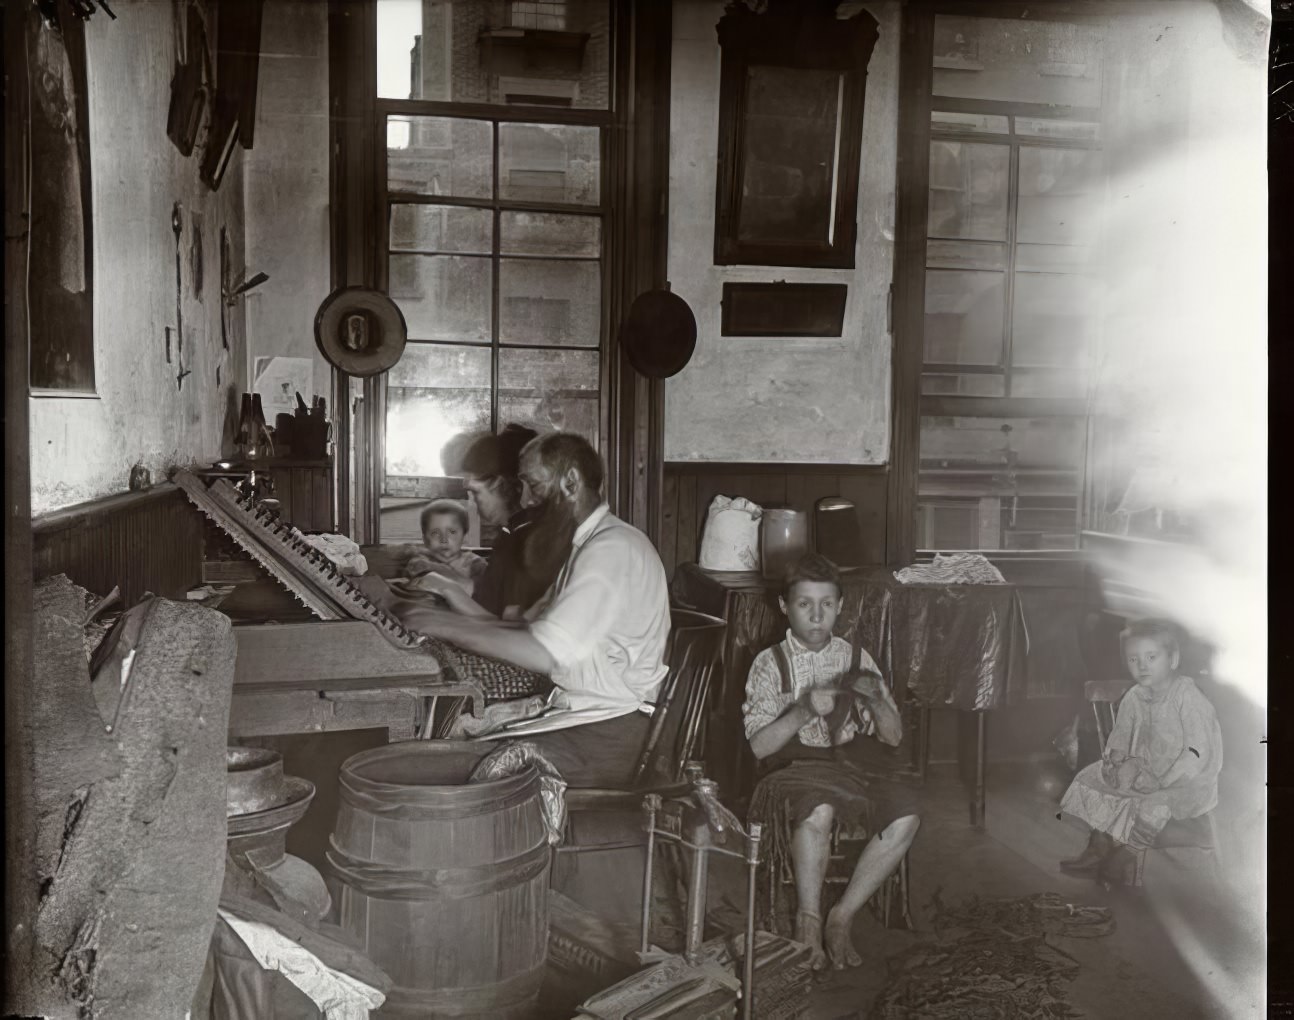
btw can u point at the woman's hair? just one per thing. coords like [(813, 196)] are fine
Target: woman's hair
[(496, 460), (810, 567), (1164, 631), (450, 507)]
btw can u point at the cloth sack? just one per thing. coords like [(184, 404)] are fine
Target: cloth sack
[(730, 540)]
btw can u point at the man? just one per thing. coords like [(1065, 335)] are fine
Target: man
[(600, 630)]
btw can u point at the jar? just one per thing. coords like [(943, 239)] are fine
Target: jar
[(783, 539)]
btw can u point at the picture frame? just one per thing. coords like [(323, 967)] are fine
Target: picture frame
[(791, 98)]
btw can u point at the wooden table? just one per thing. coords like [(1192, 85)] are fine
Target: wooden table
[(952, 646)]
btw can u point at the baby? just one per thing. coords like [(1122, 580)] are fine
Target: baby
[(1162, 760), (444, 526)]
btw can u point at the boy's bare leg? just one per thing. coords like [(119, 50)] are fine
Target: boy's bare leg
[(879, 859), (810, 848)]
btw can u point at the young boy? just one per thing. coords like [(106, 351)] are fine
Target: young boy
[(444, 526), (815, 709)]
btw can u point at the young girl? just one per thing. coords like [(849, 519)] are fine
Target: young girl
[(1162, 760), (815, 709), (444, 526)]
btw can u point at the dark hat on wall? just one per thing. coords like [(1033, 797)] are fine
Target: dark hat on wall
[(491, 455), (360, 330), (659, 334)]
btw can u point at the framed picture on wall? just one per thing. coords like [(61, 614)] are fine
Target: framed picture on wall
[(791, 97), (60, 267)]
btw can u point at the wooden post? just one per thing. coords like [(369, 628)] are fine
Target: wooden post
[(19, 780)]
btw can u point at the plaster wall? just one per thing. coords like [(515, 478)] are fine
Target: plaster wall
[(287, 188), (83, 448), (815, 400)]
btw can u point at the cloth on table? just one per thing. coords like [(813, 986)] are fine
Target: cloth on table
[(1156, 730), (952, 568)]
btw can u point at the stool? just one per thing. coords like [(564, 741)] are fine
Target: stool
[(1184, 833)]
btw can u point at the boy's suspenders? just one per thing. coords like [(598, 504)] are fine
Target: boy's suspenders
[(784, 662)]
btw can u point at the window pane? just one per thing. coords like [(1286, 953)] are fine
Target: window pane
[(968, 190), (551, 302), (1049, 62), (443, 297), (530, 233), (550, 390), (965, 384), (1058, 196), (999, 483), (441, 228), (1053, 322), (965, 255), (1036, 382), (549, 163), (548, 52), (964, 316), (943, 122), (1052, 258), (433, 394), (439, 156), (1069, 130)]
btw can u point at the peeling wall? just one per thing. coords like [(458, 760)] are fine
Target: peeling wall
[(782, 399), (287, 187), (83, 448)]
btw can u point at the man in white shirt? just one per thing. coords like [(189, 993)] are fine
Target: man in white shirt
[(600, 630)]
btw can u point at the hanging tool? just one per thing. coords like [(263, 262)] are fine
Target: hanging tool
[(177, 227)]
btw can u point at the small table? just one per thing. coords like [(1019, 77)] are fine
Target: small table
[(956, 646)]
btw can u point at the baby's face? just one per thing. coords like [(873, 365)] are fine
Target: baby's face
[(811, 608), (1149, 662), (443, 537)]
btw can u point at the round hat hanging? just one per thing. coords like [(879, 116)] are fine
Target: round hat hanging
[(659, 334), (360, 330)]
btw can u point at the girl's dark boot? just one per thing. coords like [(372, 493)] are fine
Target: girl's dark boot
[(1099, 845)]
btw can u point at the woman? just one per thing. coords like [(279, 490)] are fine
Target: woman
[(512, 582)]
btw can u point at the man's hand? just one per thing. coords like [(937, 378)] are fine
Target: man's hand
[(437, 623)]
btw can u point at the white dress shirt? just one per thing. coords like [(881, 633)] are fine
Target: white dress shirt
[(605, 622)]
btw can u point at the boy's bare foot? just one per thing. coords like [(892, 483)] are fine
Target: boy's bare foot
[(808, 929), (840, 947)]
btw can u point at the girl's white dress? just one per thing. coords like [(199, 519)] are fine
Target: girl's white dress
[(1159, 730)]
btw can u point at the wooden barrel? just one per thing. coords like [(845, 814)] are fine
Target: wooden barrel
[(444, 883)]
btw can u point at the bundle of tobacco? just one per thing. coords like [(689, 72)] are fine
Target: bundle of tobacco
[(991, 961)]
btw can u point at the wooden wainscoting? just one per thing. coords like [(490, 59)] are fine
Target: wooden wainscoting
[(138, 541), (689, 488)]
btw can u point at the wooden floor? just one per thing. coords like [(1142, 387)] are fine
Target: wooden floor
[(1185, 946)]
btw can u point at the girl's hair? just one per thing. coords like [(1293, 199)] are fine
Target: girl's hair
[(810, 567), (1164, 631), (450, 507), (497, 459)]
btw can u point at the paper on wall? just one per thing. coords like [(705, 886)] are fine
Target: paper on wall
[(279, 380)]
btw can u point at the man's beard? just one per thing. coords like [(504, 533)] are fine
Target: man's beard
[(548, 540)]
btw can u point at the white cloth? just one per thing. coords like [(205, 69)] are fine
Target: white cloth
[(952, 568), (765, 700), (605, 622), (342, 551), (1159, 731), (339, 996), (730, 539)]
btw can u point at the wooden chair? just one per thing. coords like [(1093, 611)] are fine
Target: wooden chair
[(675, 735), (1185, 833)]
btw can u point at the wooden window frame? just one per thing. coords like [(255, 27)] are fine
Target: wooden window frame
[(916, 102)]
